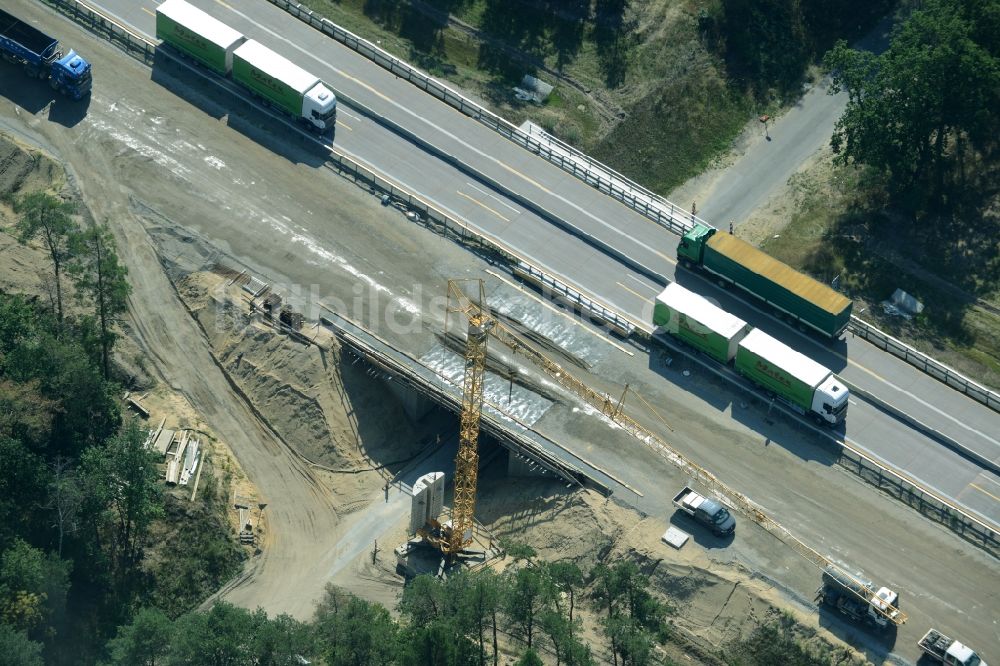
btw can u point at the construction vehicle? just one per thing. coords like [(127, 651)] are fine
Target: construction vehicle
[(792, 293), (24, 44), (805, 385), (455, 535), (706, 511), (614, 410), (947, 650), (274, 80), (854, 596)]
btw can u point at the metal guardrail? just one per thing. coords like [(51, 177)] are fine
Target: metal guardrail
[(928, 503), (910, 491), (421, 211), (566, 157), (132, 43), (925, 363), (608, 181)]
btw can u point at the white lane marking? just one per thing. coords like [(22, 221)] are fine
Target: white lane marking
[(466, 145), (494, 197), (645, 285), (340, 111), (991, 480), (944, 414), (564, 200)]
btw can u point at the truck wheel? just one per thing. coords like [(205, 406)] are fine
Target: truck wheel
[(54, 84)]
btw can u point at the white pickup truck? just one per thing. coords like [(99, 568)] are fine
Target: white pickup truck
[(706, 511), (948, 651)]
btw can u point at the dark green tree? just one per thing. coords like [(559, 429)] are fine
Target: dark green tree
[(915, 112), (85, 409), (44, 216), (440, 642), (144, 642), (278, 641), (124, 496), (22, 481), (766, 43), (33, 588), (101, 279), (354, 632), (16, 649), (64, 498), (424, 600), (566, 578), (529, 658), (481, 605), (630, 639), (517, 550), (524, 600), (221, 637), (632, 615)]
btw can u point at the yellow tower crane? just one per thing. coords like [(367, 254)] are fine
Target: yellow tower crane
[(481, 326), (467, 459)]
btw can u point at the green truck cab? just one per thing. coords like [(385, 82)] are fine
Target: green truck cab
[(692, 245), (737, 262)]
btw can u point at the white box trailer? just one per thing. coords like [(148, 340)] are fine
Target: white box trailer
[(699, 322), (197, 34), (795, 378), (284, 85)]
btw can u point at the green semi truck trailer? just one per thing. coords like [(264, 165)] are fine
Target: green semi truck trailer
[(739, 263), (797, 380), (277, 81)]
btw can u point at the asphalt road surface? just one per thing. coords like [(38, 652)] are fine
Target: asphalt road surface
[(266, 200), (566, 255)]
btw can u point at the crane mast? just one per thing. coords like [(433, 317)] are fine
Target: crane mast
[(481, 327), (467, 458)]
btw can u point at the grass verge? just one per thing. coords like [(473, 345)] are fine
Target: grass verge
[(837, 228), (634, 83)]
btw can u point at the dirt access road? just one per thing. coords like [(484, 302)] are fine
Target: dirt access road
[(762, 162), (265, 200), (301, 520)]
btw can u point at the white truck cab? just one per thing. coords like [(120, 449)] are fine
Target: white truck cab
[(830, 400), (882, 607), (319, 107)]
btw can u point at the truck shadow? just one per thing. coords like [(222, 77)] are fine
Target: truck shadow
[(34, 96), (223, 100), (700, 534), (829, 353), (748, 407), (875, 644)]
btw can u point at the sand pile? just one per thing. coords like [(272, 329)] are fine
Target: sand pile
[(330, 412), (714, 603), (23, 269)]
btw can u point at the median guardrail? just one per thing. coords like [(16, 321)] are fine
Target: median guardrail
[(132, 43), (911, 492), (608, 181), (561, 154), (924, 500)]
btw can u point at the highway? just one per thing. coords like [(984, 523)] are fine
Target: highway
[(557, 194), (201, 186)]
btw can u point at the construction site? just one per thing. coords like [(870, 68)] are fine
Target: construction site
[(387, 400)]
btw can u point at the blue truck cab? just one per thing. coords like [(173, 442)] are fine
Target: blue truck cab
[(70, 75), (24, 44)]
